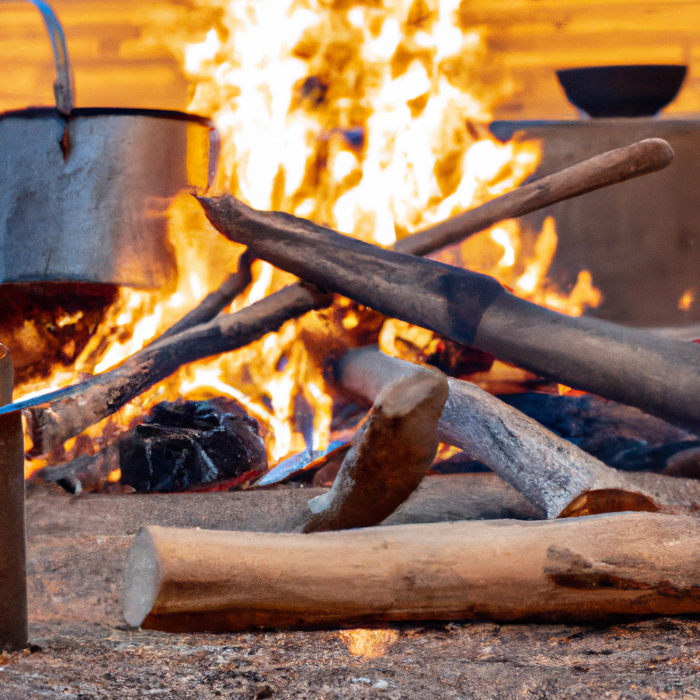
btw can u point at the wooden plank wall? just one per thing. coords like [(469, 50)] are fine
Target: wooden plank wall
[(125, 52), (531, 39), (122, 51)]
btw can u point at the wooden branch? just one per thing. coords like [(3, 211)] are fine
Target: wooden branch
[(391, 454), (658, 375), (213, 304), (70, 411), (13, 564), (574, 570), (606, 169), (549, 471)]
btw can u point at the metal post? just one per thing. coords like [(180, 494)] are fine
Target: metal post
[(13, 560)]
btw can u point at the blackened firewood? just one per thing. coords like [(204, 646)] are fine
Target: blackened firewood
[(180, 446), (189, 443), (215, 302), (620, 436), (55, 417)]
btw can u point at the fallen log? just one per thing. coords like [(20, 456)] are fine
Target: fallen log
[(50, 427), (390, 455), (13, 564), (658, 375), (588, 569), (69, 411)]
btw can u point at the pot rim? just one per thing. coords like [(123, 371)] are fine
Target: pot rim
[(91, 112)]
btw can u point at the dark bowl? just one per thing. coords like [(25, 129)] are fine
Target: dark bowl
[(622, 91)]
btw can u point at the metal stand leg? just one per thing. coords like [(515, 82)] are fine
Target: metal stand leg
[(13, 562)]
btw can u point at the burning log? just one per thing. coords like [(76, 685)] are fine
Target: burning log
[(391, 454), (75, 408), (64, 418), (550, 472), (658, 375), (213, 304), (13, 566), (578, 570)]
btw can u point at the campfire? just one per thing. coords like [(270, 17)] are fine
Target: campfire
[(331, 164), (350, 300)]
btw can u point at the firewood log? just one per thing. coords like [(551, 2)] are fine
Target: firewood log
[(658, 375), (587, 569), (549, 471), (13, 566), (621, 164), (69, 411), (49, 428), (215, 302), (391, 453)]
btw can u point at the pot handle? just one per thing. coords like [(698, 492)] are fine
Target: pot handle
[(63, 86)]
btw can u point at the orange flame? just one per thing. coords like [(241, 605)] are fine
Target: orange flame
[(362, 118)]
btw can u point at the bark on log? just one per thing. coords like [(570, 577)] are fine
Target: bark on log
[(660, 376), (600, 171), (70, 411), (575, 570), (13, 564), (391, 454), (549, 471)]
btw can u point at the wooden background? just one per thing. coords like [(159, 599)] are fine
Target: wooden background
[(127, 52)]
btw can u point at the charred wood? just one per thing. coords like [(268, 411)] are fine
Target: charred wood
[(621, 436), (213, 304), (180, 446), (71, 410)]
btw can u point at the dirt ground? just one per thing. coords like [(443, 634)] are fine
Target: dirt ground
[(82, 649)]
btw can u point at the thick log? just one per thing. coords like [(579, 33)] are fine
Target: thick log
[(13, 564), (606, 169), (70, 411), (390, 455), (581, 569), (658, 375)]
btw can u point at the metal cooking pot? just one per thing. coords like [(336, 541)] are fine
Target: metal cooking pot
[(85, 191)]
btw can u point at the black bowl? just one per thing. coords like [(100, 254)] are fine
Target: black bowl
[(622, 91)]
